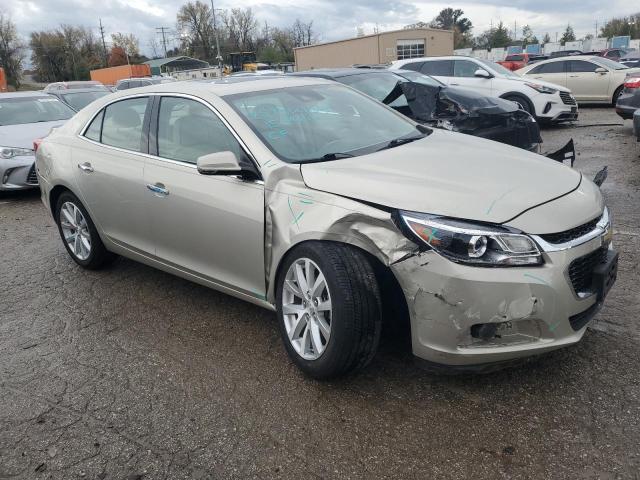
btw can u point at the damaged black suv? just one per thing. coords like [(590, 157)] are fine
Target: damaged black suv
[(428, 101)]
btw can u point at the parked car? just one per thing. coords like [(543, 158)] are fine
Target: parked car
[(73, 85), (614, 54), (545, 101), (517, 61), (565, 53), (338, 213), (127, 83), (428, 101), (25, 117), (629, 100), (591, 79), (631, 60), (78, 98)]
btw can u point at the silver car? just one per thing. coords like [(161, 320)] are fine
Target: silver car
[(313, 200), (24, 118)]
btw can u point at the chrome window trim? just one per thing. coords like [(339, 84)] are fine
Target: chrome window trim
[(244, 146), (602, 227)]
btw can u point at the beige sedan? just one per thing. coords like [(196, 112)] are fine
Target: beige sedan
[(590, 79), (313, 200)]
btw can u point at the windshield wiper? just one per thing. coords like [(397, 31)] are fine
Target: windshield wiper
[(400, 141), (336, 156)]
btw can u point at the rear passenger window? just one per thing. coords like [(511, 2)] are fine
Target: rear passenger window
[(93, 132), (553, 67), (188, 130), (438, 68), (122, 124)]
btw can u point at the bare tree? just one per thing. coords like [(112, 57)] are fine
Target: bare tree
[(196, 20), (12, 51), (127, 42), (240, 25), (303, 33)]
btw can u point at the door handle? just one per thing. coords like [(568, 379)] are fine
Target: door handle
[(455, 84), (159, 189), (85, 167)]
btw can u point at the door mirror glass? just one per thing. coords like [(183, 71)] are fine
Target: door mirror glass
[(482, 73), (601, 70), (219, 163)]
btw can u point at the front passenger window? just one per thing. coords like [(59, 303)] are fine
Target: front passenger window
[(187, 130), (464, 69)]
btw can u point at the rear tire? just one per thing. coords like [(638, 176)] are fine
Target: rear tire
[(348, 333), (616, 94), (79, 234)]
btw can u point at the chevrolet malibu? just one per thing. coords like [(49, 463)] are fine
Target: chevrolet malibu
[(315, 201)]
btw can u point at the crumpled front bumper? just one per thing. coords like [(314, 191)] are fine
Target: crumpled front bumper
[(18, 173), (532, 306)]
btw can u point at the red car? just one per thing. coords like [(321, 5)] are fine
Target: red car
[(614, 54), (516, 61)]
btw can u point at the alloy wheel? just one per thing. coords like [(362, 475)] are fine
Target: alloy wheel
[(306, 308), (75, 230)]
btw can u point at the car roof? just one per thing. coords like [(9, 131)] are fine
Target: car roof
[(569, 57), (71, 91), (229, 85)]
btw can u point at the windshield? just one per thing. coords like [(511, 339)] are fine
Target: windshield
[(605, 62), (79, 100), (318, 122), (497, 68), (21, 110), (420, 78)]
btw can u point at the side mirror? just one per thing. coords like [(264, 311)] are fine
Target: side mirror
[(482, 73), (219, 163), (601, 70)]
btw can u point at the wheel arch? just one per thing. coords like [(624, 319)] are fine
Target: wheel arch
[(54, 195), (616, 93), (523, 97), (396, 320)]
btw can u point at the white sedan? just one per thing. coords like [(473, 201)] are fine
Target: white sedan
[(591, 79)]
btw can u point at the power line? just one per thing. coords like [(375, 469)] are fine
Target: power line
[(104, 45), (163, 31)]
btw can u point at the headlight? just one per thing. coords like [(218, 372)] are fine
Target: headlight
[(10, 152), (469, 243), (542, 88)]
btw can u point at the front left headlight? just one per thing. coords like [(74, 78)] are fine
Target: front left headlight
[(10, 152), (470, 243), (541, 88)]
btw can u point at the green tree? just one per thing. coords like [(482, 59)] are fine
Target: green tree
[(546, 39), (496, 37), (568, 35), (622, 26), (450, 19), (528, 38), (11, 51)]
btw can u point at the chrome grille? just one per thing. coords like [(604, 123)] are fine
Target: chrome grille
[(569, 235), (567, 99)]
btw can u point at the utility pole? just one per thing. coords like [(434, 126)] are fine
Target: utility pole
[(215, 31), (163, 31), (104, 45)]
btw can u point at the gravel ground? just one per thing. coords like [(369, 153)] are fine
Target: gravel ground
[(130, 373)]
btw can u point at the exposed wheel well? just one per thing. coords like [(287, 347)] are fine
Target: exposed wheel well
[(54, 195), (521, 97), (616, 94), (396, 324)]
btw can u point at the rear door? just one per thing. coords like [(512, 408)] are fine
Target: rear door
[(554, 72), (464, 76), (440, 69), (587, 84), (207, 225), (109, 169)]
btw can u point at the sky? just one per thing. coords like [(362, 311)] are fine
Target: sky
[(332, 20)]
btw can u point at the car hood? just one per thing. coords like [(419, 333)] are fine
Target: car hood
[(540, 82), (448, 174), (24, 134), (477, 102)]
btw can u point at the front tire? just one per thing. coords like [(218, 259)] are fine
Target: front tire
[(522, 102), (617, 94), (329, 309), (79, 234)]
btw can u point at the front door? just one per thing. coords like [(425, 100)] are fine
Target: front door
[(209, 225), (464, 75), (587, 84), (109, 169)]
